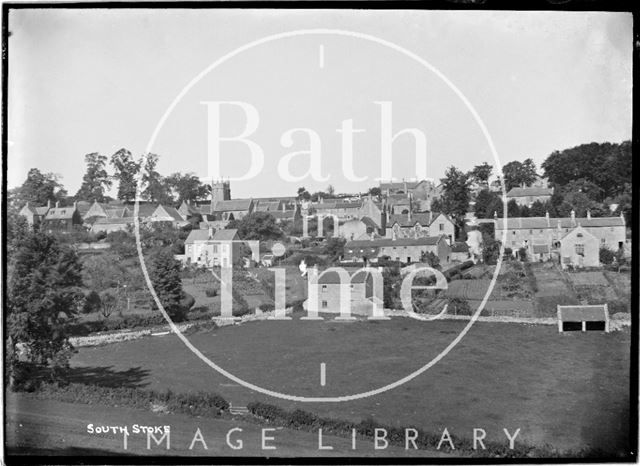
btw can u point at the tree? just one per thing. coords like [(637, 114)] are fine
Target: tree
[(538, 209), (43, 292), (187, 187), (519, 173), (481, 173), (513, 209), (303, 194), (331, 190), (486, 202), (430, 259), (167, 282), (455, 195), (606, 165), (258, 225), (125, 171), (96, 179), (38, 189), (334, 248), (156, 189), (375, 191)]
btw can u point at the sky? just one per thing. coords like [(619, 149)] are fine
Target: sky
[(97, 80)]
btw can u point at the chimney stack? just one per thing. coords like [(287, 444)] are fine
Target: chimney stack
[(75, 205), (210, 232), (589, 214), (48, 203), (573, 217), (547, 217), (57, 204)]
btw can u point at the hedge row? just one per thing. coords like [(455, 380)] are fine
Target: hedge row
[(306, 421), (195, 404)]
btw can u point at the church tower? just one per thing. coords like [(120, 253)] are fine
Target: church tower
[(220, 191)]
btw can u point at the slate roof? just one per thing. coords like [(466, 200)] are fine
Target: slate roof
[(530, 191), (41, 210), (404, 221), (144, 210), (400, 185), (226, 234), (386, 242), (197, 235), (60, 213), (172, 212), (114, 221), (232, 205), (532, 223), (268, 206), (369, 222)]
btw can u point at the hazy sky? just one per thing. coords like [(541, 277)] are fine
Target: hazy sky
[(98, 80)]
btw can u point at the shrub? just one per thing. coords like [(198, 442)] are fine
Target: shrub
[(211, 292), (92, 303), (459, 306), (607, 256)]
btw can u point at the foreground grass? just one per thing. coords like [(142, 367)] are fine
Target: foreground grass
[(569, 391)]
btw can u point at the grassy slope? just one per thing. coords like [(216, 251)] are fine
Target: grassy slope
[(567, 390), (52, 427)]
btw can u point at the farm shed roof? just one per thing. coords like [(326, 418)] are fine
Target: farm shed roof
[(405, 221), (197, 235), (593, 313), (528, 223)]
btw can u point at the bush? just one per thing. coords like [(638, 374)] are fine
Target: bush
[(92, 303), (211, 292), (607, 256), (459, 306)]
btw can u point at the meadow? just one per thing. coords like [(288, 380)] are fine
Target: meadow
[(570, 391)]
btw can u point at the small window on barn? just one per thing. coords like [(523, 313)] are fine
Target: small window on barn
[(442, 227), (324, 304), (514, 232), (580, 249), (579, 235), (324, 287)]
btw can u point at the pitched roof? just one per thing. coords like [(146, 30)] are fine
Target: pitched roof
[(532, 223), (116, 212), (279, 214), (144, 210), (171, 212), (226, 234), (60, 213), (404, 220), (369, 222), (438, 214), (29, 208), (232, 205), (42, 210), (530, 191), (386, 242), (268, 206), (197, 235), (400, 185), (585, 313), (114, 221)]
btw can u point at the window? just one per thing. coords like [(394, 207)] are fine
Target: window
[(531, 232), (324, 288), (602, 240), (442, 227), (579, 235), (514, 232), (215, 249), (324, 304), (580, 249)]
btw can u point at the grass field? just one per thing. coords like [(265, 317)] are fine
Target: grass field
[(569, 390)]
